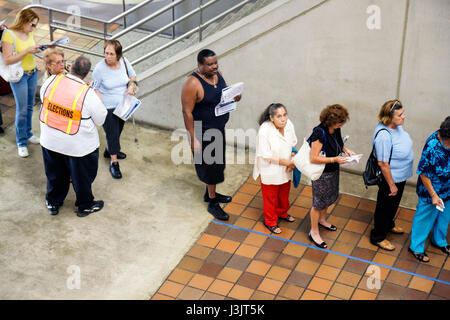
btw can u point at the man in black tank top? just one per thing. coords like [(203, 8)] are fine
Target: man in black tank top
[(200, 95)]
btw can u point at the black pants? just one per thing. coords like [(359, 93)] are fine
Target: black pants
[(59, 168), (385, 210), (113, 127), (210, 164)]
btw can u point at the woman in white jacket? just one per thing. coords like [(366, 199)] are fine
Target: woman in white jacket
[(276, 137)]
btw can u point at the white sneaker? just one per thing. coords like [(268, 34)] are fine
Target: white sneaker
[(33, 139), (23, 152)]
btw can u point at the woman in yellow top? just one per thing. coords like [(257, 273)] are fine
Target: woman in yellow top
[(24, 90)]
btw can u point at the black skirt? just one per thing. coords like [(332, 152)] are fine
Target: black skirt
[(210, 164)]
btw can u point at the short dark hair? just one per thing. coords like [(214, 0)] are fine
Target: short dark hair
[(444, 130), (205, 53), (81, 67), (334, 114), (116, 45)]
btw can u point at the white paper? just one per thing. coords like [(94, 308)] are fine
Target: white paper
[(58, 42), (128, 106), (2, 22), (227, 103), (354, 159), (441, 207)]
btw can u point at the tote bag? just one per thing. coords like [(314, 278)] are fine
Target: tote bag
[(303, 163), (12, 72)]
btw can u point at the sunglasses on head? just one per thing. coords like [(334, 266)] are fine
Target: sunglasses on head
[(396, 105)]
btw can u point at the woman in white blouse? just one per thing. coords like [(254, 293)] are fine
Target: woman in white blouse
[(276, 137)]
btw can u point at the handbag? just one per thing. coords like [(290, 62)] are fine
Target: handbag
[(372, 175), (11, 72), (303, 163)]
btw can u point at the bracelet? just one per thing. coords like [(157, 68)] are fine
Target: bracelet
[(432, 195)]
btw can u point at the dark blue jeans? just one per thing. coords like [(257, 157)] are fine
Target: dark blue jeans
[(24, 94)]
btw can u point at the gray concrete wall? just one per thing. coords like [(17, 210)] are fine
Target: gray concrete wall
[(308, 54)]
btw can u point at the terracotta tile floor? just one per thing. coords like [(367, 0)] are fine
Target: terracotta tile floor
[(228, 262)]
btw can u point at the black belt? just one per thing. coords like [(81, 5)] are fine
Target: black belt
[(30, 72)]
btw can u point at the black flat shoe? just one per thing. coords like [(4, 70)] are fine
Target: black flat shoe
[(323, 245), (445, 249), (219, 197), (331, 228), (54, 210), (120, 155), (419, 256), (218, 213), (115, 170)]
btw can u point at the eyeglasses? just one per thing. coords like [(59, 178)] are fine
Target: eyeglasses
[(58, 62), (33, 25)]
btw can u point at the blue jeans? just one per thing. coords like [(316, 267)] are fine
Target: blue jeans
[(429, 219), (24, 94)]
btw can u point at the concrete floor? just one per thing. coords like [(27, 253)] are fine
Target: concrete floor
[(151, 219)]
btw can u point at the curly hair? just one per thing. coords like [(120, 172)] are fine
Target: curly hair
[(444, 130), (334, 114)]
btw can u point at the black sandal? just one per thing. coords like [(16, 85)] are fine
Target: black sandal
[(419, 256), (287, 218), (445, 249), (273, 228)]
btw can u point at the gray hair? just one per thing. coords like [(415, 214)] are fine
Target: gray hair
[(81, 67)]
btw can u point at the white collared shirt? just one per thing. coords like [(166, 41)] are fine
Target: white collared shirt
[(86, 139), (271, 144)]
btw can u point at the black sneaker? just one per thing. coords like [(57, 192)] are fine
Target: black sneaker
[(220, 197), (97, 206), (120, 155), (218, 213), (54, 210), (115, 170)]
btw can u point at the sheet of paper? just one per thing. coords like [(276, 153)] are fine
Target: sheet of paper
[(2, 22), (232, 91), (58, 42), (441, 207), (354, 159), (227, 103), (222, 109)]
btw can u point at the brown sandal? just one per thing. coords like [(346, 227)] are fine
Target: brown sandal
[(385, 245)]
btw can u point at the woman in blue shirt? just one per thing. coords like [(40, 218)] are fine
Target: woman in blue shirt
[(393, 149), (114, 77), (433, 189)]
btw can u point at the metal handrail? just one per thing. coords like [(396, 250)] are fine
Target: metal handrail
[(187, 34), (173, 23), (162, 10)]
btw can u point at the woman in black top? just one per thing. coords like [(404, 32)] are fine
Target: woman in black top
[(327, 137)]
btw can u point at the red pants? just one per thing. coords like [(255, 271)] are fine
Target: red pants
[(276, 202)]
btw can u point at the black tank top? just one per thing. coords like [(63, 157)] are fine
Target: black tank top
[(204, 109)]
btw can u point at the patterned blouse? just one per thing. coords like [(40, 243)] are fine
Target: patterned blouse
[(435, 164)]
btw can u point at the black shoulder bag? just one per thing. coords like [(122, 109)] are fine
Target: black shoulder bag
[(372, 175)]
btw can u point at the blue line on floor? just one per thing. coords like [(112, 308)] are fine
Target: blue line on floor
[(333, 252)]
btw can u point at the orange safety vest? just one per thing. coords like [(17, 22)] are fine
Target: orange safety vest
[(63, 103)]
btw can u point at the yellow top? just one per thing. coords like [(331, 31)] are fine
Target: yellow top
[(28, 62)]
